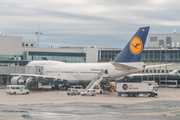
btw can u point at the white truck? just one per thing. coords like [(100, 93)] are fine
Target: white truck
[(134, 89)]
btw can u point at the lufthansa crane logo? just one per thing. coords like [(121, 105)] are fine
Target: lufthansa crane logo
[(136, 45), (125, 87)]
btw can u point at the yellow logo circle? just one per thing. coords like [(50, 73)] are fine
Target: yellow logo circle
[(136, 45)]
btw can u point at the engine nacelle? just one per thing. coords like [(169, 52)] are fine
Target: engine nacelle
[(17, 81), (129, 77), (29, 79), (119, 79), (124, 79)]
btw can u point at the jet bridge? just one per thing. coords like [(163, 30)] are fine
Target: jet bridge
[(6, 72)]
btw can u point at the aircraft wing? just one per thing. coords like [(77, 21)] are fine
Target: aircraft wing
[(40, 77), (157, 65)]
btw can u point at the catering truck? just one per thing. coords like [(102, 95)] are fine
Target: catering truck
[(131, 89)]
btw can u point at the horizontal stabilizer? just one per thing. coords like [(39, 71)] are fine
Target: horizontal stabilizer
[(126, 66), (157, 65)]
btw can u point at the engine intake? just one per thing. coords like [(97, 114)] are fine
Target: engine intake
[(17, 81)]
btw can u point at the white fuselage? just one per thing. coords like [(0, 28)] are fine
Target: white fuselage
[(82, 73)]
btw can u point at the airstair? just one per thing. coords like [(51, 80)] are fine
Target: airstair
[(95, 81)]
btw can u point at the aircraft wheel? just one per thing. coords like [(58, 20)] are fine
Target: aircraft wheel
[(119, 94), (52, 88), (150, 95), (57, 87), (137, 94), (14, 93)]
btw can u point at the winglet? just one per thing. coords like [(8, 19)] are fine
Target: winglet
[(133, 50)]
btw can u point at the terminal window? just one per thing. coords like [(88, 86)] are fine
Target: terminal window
[(161, 43), (153, 39), (168, 41)]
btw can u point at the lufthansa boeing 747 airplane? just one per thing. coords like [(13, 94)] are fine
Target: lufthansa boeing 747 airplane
[(128, 61)]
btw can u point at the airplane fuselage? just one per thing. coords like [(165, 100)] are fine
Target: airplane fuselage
[(81, 73)]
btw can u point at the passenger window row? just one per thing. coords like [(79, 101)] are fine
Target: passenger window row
[(15, 88)]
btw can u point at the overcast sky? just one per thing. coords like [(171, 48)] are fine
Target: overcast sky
[(104, 23)]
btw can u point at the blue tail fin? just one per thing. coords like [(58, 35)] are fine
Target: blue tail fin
[(133, 50)]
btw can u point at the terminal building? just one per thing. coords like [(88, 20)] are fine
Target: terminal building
[(162, 49)]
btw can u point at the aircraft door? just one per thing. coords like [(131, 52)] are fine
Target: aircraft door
[(59, 73), (106, 71), (76, 72), (39, 70)]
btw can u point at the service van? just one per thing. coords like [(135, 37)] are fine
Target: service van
[(91, 92), (72, 91), (16, 89), (77, 87)]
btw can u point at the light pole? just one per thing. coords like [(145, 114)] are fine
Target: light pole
[(37, 33)]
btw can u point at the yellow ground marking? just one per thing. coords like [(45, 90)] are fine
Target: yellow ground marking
[(140, 114), (175, 96)]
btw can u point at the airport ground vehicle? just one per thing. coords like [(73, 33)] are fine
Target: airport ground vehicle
[(98, 89), (134, 89), (72, 91), (91, 92), (16, 89), (152, 82), (77, 87), (111, 87)]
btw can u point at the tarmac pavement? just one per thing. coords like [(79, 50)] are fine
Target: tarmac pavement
[(52, 105)]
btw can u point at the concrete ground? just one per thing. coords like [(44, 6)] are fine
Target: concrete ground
[(52, 105)]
